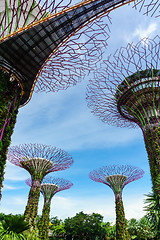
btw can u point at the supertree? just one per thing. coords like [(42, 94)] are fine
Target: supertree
[(47, 43), (49, 187), (38, 160), (126, 93), (149, 7), (117, 177)]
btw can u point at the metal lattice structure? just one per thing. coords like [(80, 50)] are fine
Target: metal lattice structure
[(24, 154), (126, 93), (149, 7), (38, 160), (51, 185), (117, 177), (25, 51), (130, 67), (50, 44)]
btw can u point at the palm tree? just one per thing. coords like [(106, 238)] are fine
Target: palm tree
[(13, 227), (153, 211), (132, 226), (144, 230)]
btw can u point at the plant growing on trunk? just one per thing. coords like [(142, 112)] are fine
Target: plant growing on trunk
[(117, 177), (38, 160)]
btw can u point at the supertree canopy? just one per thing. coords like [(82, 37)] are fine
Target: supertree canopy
[(126, 93), (117, 177), (49, 187), (149, 7), (50, 44), (38, 160)]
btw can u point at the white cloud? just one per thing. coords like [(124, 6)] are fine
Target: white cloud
[(67, 123), (13, 204), (15, 173), (104, 205), (142, 32), (64, 207), (9, 187)]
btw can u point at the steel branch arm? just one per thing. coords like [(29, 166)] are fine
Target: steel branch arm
[(25, 52)]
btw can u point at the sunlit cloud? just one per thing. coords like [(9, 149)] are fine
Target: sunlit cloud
[(64, 207), (9, 187), (141, 32), (15, 173)]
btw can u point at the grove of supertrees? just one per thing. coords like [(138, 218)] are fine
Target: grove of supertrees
[(38, 160), (49, 187), (126, 93), (117, 177), (42, 44), (42, 47), (49, 45)]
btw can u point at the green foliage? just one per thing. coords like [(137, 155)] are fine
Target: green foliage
[(57, 228), (32, 208), (10, 95), (132, 227), (58, 231), (85, 227), (141, 229), (144, 230), (121, 222), (55, 221), (153, 211), (44, 222), (152, 143), (31, 235), (2, 216), (110, 231), (13, 227)]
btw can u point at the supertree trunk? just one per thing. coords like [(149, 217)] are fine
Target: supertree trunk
[(32, 205), (38, 160), (121, 222), (10, 95), (117, 177), (44, 221), (152, 144)]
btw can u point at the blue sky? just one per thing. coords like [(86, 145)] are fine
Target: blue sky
[(63, 120)]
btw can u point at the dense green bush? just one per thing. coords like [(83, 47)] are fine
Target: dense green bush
[(82, 226), (13, 227), (10, 96)]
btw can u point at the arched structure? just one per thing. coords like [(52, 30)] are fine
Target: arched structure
[(38, 160), (41, 42), (126, 93), (117, 177)]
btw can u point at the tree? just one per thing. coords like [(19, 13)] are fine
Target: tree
[(141, 229), (125, 93), (55, 221), (22, 63), (49, 187), (85, 227), (13, 227), (153, 211), (58, 231), (144, 229), (132, 227), (117, 177), (38, 160), (110, 231)]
